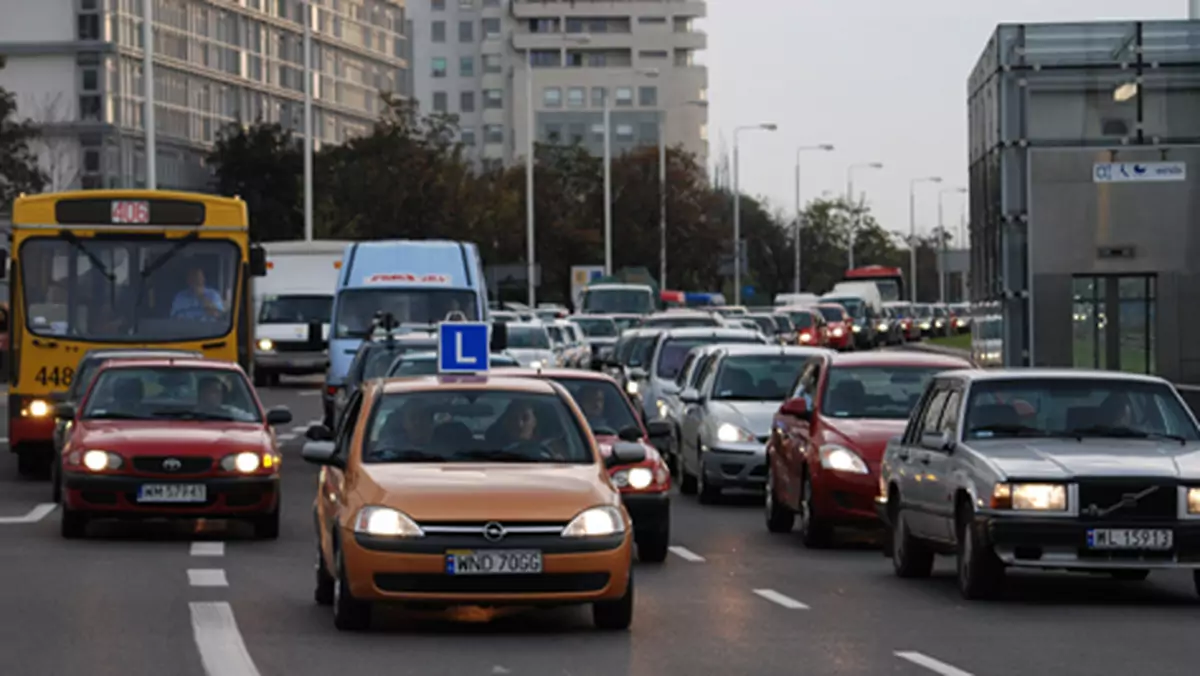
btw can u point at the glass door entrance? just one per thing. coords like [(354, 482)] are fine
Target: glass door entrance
[(1114, 322)]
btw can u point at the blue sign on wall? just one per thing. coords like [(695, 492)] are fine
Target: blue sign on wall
[(463, 347)]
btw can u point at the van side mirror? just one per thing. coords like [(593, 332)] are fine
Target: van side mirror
[(258, 261), (499, 337)]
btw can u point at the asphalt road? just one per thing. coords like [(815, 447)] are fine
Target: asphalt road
[(732, 599)]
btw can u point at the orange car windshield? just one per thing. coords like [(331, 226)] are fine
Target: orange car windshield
[(447, 425)]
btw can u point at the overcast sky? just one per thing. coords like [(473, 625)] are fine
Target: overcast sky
[(883, 80)]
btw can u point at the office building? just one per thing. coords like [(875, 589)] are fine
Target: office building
[(76, 69)]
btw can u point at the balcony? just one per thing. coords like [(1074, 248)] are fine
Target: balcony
[(694, 40), (534, 9)]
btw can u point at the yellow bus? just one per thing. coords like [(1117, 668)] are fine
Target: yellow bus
[(120, 269)]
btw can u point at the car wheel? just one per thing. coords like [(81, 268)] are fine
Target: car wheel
[(780, 518), (56, 487), (73, 524), (323, 594), (615, 615), (980, 571), (266, 527), (349, 613), (709, 494), (1135, 575), (910, 557), (815, 532), (652, 544)]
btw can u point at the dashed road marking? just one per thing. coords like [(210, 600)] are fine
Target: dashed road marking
[(309, 393), (779, 599), (222, 649), (285, 437), (299, 429), (207, 577), (3, 440), (36, 514), (936, 666), (686, 554), (208, 549)]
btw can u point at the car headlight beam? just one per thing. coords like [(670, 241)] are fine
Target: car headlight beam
[(1030, 497), (841, 459), (386, 522), (732, 434), (246, 462), (596, 522)]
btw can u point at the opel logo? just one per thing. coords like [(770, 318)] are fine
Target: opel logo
[(493, 532), (172, 465)]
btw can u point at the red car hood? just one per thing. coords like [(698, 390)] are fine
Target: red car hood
[(175, 437), (606, 441), (867, 436)]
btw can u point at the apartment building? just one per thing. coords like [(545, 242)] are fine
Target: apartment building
[(75, 67), (474, 58)]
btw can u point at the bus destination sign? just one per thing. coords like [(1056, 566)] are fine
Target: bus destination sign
[(130, 212)]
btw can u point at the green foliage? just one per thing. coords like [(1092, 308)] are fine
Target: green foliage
[(19, 169)]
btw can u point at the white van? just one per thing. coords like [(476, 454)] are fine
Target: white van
[(867, 291), (802, 299)]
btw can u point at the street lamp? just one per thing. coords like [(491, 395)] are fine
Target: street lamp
[(662, 189), (530, 133), (912, 227), (850, 205), (148, 94), (608, 253), (824, 147), (737, 208), (944, 238)]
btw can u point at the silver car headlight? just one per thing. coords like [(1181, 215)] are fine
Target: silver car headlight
[(266, 344), (631, 387), (1193, 500), (732, 434), (387, 522), (841, 459), (1030, 497), (595, 522), (663, 410)]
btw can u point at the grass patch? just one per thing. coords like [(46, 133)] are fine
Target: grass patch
[(960, 342)]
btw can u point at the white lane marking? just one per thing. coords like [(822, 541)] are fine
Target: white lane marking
[(777, 598), (3, 440), (208, 549), (299, 430), (685, 554), (311, 423), (222, 649), (36, 514), (931, 664), (207, 577), (285, 437), (310, 393)]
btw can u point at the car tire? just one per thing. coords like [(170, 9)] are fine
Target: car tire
[(266, 527), (980, 571), (615, 615), (780, 517), (653, 544), (911, 558), (815, 532), (349, 613), (1131, 575), (73, 524), (56, 487), (323, 593), (31, 463), (709, 494)]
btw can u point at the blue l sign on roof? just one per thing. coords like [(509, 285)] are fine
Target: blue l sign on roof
[(463, 347)]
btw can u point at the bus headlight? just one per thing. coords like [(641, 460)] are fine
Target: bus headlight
[(38, 408)]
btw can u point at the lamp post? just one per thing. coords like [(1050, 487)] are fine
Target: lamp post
[(308, 124), (912, 227), (850, 205), (662, 190), (737, 208), (608, 252), (824, 147), (943, 243), (530, 134), (148, 94)]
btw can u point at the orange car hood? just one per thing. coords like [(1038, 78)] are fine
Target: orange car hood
[(485, 491)]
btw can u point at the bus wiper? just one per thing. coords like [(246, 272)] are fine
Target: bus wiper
[(70, 238), (168, 254)]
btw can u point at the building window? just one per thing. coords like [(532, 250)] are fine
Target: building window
[(576, 97), (493, 99), (466, 4), (598, 97), (652, 19), (89, 80), (89, 108), (575, 25), (439, 31), (491, 3), (575, 59), (466, 102), (439, 67), (89, 27), (466, 66), (648, 133), (545, 58), (553, 133), (492, 63), (493, 133), (624, 96), (439, 102), (598, 132), (597, 59), (466, 31), (576, 133), (439, 5), (491, 29), (543, 25), (648, 96), (552, 97), (624, 131), (467, 136), (653, 54)]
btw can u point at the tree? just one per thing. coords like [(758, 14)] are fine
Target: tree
[(262, 164), (58, 152), (19, 170)]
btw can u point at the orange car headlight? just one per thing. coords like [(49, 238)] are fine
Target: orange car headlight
[(386, 522)]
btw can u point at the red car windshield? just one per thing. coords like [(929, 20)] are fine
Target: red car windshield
[(602, 403), (171, 393), (884, 392)]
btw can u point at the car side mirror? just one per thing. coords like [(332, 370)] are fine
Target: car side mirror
[(630, 433), (321, 453), (658, 429), (797, 407), (626, 454), (499, 337), (937, 441), (64, 412), (690, 396), (319, 433), (279, 415), (258, 261), (638, 373)]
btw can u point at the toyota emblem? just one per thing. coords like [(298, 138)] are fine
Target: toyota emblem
[(493, 532), (172, 465)]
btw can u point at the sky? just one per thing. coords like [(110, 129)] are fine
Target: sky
[(881, 80)]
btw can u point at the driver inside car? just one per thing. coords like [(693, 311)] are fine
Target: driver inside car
[(522, 431)]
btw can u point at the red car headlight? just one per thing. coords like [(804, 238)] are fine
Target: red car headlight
[(642, 477), (249, 462), (95, 460)]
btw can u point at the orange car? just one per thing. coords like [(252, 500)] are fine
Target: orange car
[(469, 491)]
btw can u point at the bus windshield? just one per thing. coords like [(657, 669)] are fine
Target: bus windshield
[(356, 308), (116, 289), (626, 301), (296, 309)]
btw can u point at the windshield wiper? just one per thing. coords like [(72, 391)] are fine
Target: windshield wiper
[(190, 414), (403, 455), (496, 456), (169, 254), (71, 239), (1015, 430), (1123, 433), (113, 415)]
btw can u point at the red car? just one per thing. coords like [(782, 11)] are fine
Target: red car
[(173, 438), (645, 487), (827, 442), (839, 325)]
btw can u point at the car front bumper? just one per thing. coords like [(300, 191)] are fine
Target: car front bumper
[(115, 496), (1034, 542), (736, 466), (291, 363), (846, 499)]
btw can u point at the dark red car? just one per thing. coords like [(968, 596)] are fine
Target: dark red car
[(645, 487), (828, 439), (839, 325), (175, 438)]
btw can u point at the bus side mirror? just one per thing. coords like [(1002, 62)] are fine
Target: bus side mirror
[(499, 337), (258, 261), (3, 263)]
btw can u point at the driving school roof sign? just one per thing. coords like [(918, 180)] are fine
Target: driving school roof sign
[(1139, 172), (405, 278)]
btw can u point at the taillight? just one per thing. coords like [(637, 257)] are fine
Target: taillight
[(331, 390)]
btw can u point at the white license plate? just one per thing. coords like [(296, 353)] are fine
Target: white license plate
[(1154, 539), (493, 562), (172, 493)]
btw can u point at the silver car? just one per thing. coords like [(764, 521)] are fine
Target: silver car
[(529, 343), (1093, 471), (668, 354), (728, 417)]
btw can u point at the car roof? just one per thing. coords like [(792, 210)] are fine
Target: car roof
[(675, 313), (982, 375), (748, 349), (481, 382), (424, 355), (899, 358), (189, 362), (575, 374), (710, 332)]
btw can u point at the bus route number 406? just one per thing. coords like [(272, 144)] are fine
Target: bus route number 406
[(55, 376)]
